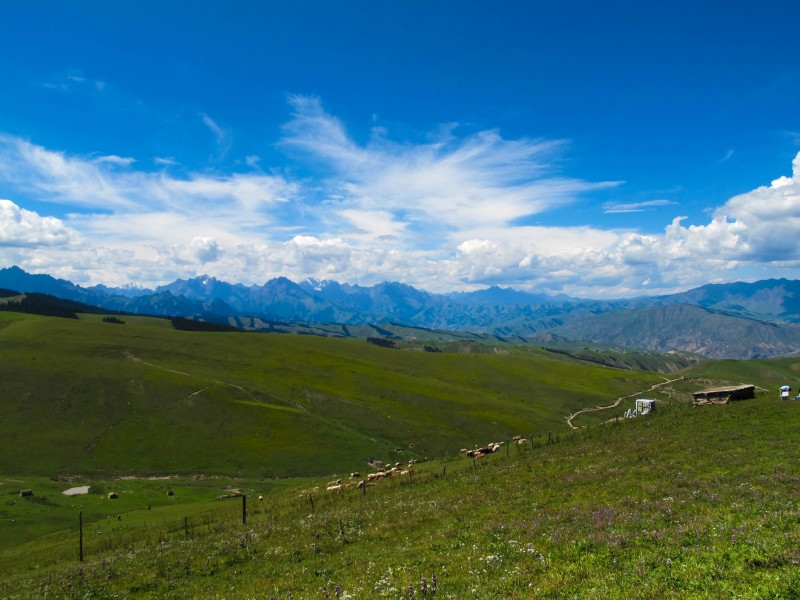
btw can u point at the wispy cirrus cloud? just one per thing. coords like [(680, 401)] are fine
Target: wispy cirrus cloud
[(108, 184), (440, 186), (73, 80), (222, 137), (113, 159), (629, 207)]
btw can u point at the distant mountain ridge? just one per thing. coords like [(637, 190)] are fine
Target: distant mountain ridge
[(687, 328), (736, 320), (776, 299)]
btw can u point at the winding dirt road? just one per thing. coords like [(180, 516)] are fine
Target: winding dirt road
[(619, 400)]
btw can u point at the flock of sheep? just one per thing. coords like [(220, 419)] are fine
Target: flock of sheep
[(492, 447), (388, 471), (356, 481)]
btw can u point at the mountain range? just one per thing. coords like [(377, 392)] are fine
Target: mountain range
[(736, 320)]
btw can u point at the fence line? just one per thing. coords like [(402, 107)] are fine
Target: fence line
[(287, 506)]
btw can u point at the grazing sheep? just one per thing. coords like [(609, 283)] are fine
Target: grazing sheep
[(487, 449), (306, 493), (334, 488)]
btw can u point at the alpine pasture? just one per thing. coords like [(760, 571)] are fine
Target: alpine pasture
[(681, 503)]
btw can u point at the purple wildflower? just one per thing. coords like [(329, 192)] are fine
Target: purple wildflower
[(424, 586)]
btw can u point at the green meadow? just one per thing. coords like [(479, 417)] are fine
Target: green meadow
[(686, 502), (683, 503), (84, 396)]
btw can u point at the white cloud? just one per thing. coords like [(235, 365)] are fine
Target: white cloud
[(99, 184), (25, 229), (115, 160), (222, 137), (441, 214), (73, 82), (758, 226), (373, 224), (438, 186), (628, 207)]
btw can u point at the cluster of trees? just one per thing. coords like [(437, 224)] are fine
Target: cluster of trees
[(185, 324), (42, 304), (382, 342)]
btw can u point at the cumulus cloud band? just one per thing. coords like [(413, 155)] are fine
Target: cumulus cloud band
[(442, 214)]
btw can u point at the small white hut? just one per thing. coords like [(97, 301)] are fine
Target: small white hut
[(644, 406)]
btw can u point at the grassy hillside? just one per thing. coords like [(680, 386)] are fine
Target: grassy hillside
[(684, 503), (84, 396)]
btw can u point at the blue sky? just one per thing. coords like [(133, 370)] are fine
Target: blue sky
[(598, 149)]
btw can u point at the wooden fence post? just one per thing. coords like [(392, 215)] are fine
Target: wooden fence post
[(244, 509), (80, 535), (311, 499)]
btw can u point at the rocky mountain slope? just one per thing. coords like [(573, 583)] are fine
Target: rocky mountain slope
[(737, 320)]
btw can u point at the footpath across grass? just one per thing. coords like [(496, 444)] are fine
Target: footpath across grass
[(684, 503)]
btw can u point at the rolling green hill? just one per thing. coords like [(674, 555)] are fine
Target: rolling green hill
[(683, 503), (84, 396)]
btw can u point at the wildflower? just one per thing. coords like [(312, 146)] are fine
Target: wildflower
[(433, 584), (324, 592), (337, 591), (424, 586), (410, 591)]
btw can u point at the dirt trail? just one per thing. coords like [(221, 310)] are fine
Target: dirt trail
[(90, 446), (619, 400), (132, 357)]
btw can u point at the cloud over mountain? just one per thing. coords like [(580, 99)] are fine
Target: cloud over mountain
[(444, 211)]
